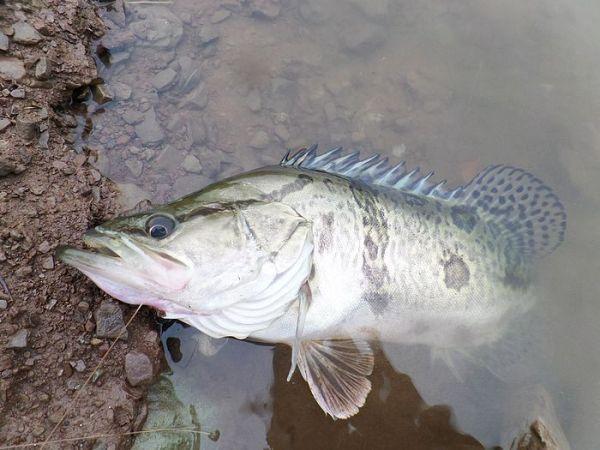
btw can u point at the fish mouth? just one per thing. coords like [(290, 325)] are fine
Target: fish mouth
[(124, 261)]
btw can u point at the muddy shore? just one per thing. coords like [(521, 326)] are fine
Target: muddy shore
[(55, 325)]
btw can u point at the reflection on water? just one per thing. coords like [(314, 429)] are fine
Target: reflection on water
[(199, 90)]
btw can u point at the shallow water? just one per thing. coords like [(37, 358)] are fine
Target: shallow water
[(449, 86)]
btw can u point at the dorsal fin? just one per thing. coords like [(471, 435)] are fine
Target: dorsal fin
[(522, 204)]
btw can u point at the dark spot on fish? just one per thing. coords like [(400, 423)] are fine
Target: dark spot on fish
[(464, 217), (328, 184), (414, 200), (378, 302), (456, 273), (305, 177), (294, 186)]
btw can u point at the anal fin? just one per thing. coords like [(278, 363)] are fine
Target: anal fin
[(336, 372)]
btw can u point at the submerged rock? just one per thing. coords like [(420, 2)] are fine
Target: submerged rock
[(164, 79), (3, 42), (43, 69), (158, 28), (149, 131)]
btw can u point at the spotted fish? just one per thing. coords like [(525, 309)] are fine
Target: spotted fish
[(329, 252)]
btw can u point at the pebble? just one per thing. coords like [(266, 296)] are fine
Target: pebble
[(218, 17), (102, 93), (79, 365), (3, 304), (19, 339), (96, 342), (207, 35), (121, 90), (4, 123), (266, 9), (3, 42), (48, 263), (138, 368), (26, 34), (192, 164), (197, 99), (23, 272), (164, 79), (11, 68), (253, 101), (109, 321), (260, 140), (149, 131), (43, 69), (132, 116), (18, 93), (44, 247), (135, 166)]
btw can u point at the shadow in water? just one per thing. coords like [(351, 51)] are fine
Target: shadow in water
[(394, 415)]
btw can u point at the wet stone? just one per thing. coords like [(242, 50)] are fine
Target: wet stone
[(197, 99), (44, 247), (3, 304), (149, 131), (102, 93), (220, 16), (121, 91), (19, 339), (3, 42), (109, 321), (164, 79), (253, 101), (42, 69), (132, 117), (192, 164), (158, 28), (260, 140), (79, 365), (11, 68), (207, 35), (265, 9), (135, 167), (138, 368), (48, 263), (26, 34)]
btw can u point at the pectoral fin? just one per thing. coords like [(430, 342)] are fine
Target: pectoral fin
[(336, 372)]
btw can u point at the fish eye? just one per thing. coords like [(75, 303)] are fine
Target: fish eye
[(159, 227)]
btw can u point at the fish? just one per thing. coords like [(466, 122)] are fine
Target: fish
[(329, 253)]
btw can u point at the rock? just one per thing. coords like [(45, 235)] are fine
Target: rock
[(18, 93), (25, 34), (164, 79), (199, 134), (149, 131), (116, 40), (314, 11), (79, 365), (282, 132), (218, 17), (3, 304), (102, 93), (138, 368), (265, 9), (188, 183), (11, 68), (207, 35), (197, 99), (28, 123), (159, 27), (19, 339), (44, 247), (131, 195), (43, 69), (132, 116), (135, 166), (48, 263), (4, 123), (192, 164), (169, 159), (253, 101), (3, 42), (109, 321), (121, 90), (260, 140), (364, 39)]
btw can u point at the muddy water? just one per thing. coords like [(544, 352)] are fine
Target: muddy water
[(201, 90)]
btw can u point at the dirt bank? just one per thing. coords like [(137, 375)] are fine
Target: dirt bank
[(53, 332)]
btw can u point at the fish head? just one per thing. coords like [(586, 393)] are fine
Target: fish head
[(194, 257)]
